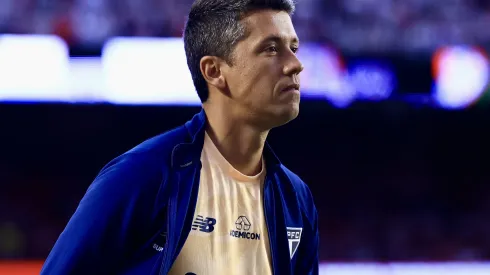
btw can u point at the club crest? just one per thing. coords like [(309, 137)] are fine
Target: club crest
[(294, 237)]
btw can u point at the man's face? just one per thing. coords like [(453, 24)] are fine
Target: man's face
[(265, 69)]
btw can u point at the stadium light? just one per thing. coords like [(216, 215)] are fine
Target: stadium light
[(461, 75), (372, 80), (325, 76), (147, 71), (449, 268), (33, 67)]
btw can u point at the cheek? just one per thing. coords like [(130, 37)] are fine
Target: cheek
[(254, 83), (247, 82), (262, 78)]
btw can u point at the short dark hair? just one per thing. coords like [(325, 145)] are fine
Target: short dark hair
[(213, 28)]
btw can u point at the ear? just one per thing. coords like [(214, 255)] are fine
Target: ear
[(211, 71)]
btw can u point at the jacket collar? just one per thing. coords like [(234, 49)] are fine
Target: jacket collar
[(184, 154)]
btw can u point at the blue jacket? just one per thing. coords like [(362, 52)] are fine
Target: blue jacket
[(136, 215)]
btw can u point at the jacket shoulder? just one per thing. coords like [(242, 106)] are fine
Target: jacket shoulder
[(146, 163), (161, 145), (154, 152), (303, 193)]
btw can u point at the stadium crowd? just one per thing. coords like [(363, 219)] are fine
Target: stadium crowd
[(352, 25)]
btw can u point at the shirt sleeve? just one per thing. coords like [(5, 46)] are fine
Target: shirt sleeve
[(108, 221)]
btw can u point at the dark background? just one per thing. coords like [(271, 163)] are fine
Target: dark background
[(392, 182)]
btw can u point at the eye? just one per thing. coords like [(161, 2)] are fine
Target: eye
[(272, 49), (294, 49)]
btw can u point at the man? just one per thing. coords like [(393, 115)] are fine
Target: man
[(209, 197)]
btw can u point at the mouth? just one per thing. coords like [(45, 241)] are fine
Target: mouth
[(291, 88)]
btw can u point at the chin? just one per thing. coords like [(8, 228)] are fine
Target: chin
[(286, 115)]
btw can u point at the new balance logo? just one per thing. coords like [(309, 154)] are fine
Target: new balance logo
[(204, 225)]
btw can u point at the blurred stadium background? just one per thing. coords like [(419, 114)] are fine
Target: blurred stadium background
[(392, 137)]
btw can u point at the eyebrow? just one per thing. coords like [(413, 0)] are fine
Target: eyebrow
[(278, 39)]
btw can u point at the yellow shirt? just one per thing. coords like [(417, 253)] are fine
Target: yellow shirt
[(229, 234)]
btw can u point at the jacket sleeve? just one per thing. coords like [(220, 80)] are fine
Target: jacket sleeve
[(108, 221), (307, 262)]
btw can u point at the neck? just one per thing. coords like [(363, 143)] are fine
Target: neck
[(240, 143)]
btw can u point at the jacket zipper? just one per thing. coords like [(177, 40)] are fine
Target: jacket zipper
[(267, 223), (166, 265), (165, 251), (165, 261)]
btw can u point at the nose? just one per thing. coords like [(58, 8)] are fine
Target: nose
[(293, 65)]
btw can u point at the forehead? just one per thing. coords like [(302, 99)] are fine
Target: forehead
[(266, 23)]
